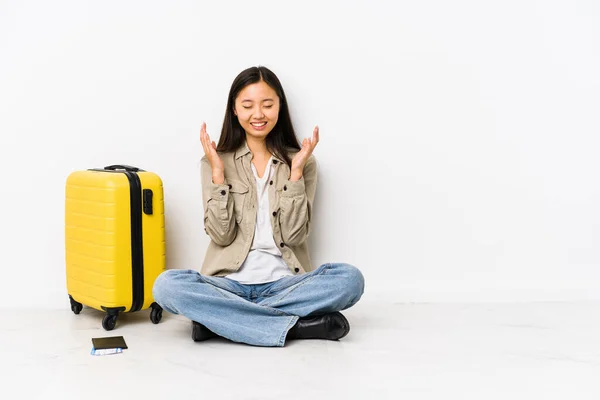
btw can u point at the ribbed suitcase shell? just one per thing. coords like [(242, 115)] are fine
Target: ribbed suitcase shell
[(100, 236)]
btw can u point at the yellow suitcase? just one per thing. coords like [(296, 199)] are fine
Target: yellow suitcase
[(115, 240)]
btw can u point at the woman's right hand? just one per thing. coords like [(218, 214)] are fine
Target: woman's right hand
[(210, 149)]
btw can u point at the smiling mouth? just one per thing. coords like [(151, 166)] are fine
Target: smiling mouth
[(258, 124)]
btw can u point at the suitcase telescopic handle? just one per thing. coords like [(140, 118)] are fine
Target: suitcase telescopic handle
[(119, 166)]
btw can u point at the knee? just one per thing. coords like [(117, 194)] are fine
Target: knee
[(353, 281), (163, 286)]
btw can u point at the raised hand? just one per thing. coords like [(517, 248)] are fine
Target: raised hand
[(210, 149), (300, 159)]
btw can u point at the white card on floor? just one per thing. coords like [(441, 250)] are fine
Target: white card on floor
[(105, 352)]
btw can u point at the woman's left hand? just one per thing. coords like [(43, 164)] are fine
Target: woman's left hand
[(300, 159)]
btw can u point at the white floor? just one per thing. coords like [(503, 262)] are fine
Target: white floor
[(394, 351)]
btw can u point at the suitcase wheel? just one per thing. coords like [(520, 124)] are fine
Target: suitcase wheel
[(76, 307), (156, 313), (109, 321)]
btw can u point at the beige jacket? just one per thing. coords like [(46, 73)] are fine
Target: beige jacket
[(230, 212)]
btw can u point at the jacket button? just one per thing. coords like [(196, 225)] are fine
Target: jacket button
[(285, 188), (270, 183), (297, 269), (274, 213), (274, 161), (223, 193), (230, 186), (281, 244)]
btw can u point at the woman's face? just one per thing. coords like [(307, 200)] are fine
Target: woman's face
[(257, 109)]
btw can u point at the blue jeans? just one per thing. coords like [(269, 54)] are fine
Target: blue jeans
[(261, 314)]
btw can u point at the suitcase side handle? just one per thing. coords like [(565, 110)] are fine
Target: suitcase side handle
[(119, 166), (147, 201)]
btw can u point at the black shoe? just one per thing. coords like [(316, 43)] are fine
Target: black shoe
[(332, 326), (201, 333)]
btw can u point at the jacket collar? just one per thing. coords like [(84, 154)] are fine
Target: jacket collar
[(244, 149)]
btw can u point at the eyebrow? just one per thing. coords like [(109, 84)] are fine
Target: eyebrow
[(248, 100)]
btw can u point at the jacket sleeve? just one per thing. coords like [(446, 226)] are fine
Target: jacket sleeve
[(219, 217), (296, 204)]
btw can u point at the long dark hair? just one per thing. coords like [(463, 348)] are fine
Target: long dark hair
[(281, 139)]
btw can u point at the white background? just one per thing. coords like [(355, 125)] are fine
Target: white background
[(459, 140)]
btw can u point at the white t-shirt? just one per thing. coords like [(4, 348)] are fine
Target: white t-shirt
[(264, 262)]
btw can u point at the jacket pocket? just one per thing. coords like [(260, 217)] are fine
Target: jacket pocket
[(239, 193)]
